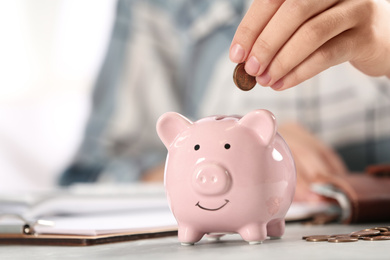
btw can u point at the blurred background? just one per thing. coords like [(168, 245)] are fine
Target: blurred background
[(51, 51), (159, 56)]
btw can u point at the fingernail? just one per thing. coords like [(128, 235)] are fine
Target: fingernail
[(277, 85), (237, 53), (252, 66), (263, 79)]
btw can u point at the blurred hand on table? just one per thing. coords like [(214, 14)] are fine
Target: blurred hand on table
[(314, 160)]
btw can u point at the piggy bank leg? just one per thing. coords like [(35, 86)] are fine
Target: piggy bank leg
[(214, 237), (189, 236), (275, 228), (254, 233)]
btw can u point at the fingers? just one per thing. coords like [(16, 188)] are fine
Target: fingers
[(323, 159), (313, 164), (286, 42), (254, 21), (334, 52), (314, 160), (303, 191), (305, 172), (316, 165), (336, 165), (289, 17), (305, 41)]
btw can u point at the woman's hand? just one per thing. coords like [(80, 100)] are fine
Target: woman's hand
[(285, 42), (314, 160)]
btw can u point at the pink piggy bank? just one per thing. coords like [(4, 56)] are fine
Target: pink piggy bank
[(226, 174)]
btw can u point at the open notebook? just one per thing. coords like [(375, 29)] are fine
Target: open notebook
[(99, 212)]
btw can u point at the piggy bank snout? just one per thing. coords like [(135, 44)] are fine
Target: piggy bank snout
[(211, 179)]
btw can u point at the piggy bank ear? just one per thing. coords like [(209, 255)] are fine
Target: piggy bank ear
[(170, 125), (261, 121)]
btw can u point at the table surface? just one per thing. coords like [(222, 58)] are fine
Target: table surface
[(290, 246)]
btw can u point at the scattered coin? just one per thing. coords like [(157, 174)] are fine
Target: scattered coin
[(365, 232), (342, 239), (377, 238), (243, 80), (317, 238), (381, 229), (304, 237), (367, 229), (369, 234), (340, 235)]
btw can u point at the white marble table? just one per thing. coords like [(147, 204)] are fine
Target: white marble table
[(291, 246)]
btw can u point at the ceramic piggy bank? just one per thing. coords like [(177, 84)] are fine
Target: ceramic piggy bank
[(227, 174)]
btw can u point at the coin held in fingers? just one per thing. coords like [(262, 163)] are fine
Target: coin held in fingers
[(243, 80)]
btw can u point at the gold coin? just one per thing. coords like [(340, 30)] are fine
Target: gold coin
[(243, 80)]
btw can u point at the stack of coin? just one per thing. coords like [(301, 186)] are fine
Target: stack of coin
[(369, 234)]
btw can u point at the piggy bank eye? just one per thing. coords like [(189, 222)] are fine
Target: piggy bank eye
[(227, 146), (197, 147)]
